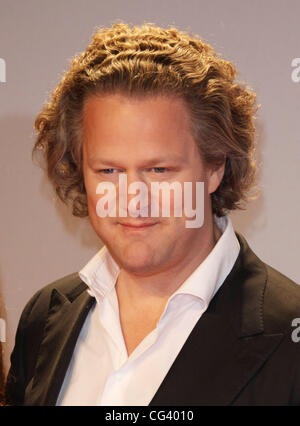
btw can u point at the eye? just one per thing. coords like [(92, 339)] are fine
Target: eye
[(107, 171), (160, 169)]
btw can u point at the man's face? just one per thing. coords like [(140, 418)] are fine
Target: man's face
[(149, 140)]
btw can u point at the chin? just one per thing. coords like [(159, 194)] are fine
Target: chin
[(136, 258)]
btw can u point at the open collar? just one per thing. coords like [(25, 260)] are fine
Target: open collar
[(224, 350)]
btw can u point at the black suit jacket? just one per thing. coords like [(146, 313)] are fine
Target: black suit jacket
[(240, 352)]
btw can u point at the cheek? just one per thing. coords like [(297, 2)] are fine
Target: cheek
[(177, 203), (92, 201), (91, 187)]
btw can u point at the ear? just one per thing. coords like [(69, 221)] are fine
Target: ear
[(214, 176)]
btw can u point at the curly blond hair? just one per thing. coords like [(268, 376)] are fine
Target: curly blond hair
[(148, 60)]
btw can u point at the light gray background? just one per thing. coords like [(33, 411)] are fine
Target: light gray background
[(40, 240)]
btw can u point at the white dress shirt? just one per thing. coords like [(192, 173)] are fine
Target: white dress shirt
[(100, 371)]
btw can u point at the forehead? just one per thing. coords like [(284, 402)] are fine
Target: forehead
[(115, 123)]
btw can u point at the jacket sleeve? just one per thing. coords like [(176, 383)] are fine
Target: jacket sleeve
[(23, 358)]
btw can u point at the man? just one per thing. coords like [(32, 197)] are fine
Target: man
[(166, 313)]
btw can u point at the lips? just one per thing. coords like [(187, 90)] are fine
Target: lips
[(137, 225)]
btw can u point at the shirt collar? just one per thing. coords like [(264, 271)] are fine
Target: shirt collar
[(208, 277), (101, 272)]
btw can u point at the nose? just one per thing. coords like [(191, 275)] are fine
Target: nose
[(133, 195)]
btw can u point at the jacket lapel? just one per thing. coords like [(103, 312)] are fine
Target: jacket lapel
[(227, 346), (66, 316)]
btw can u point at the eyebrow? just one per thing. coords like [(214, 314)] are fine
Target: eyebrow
[(150, 161)]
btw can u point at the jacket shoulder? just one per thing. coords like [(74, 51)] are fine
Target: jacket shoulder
[(70, 285), (30, 333)]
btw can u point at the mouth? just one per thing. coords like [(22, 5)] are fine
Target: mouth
[(137, 226)]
